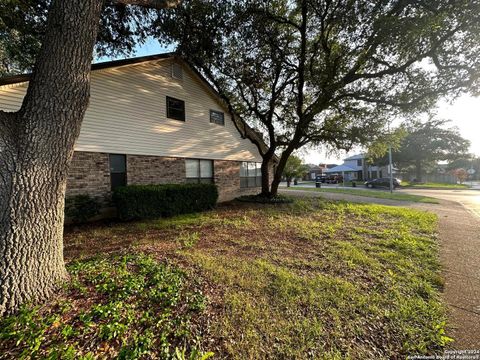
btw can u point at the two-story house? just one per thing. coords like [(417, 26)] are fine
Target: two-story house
[(153, 120), (357, 168)]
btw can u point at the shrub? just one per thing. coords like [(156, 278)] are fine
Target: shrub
[(149, 201), (81, 208)]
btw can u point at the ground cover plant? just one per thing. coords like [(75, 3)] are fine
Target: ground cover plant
[(310, 279), (374, 194)]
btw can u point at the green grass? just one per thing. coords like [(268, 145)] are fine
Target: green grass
[(124, 307), (374, 194), (432, 185), (310, 279)]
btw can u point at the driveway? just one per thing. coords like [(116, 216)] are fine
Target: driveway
[(459, 236)]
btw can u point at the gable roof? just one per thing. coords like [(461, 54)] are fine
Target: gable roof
[(242, 127)]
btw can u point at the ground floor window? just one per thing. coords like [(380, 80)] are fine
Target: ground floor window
[(118, 170), (250, 174), (199, 171)]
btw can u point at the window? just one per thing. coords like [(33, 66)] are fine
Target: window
[(118, 170), (199, 171), (359, 162), (250, 174), (217, 117), (175, 109), (177, 72)]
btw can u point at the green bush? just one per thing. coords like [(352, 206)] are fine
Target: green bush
[(150, 201), (81, 208)]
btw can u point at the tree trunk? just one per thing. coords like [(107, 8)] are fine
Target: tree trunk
[(36, 146), (418, 171)]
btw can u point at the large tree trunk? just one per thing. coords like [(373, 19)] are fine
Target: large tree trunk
[(36, 147)]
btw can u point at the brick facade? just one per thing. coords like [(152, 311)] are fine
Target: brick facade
[(227, 179), (147, 170), (90, 174)]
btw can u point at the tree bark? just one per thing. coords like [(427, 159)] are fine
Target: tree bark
[(37, 144)]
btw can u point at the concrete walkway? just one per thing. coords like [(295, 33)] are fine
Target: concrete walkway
[(459, 236)]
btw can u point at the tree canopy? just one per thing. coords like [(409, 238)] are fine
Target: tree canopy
[(327, 72), (426, 143), (294, 168)]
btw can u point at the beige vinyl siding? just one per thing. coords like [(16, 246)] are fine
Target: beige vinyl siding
[(127, 115)]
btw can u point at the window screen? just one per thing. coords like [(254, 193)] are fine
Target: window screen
[(217, 117), (199, 171), (175, 109), (118, 170), (250, 174)]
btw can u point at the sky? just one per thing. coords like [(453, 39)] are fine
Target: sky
[(464, 113)]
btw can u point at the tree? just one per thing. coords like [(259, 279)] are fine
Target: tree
[(327, 73), (294, 168), (460, 174), (425, 144), (37, 143)]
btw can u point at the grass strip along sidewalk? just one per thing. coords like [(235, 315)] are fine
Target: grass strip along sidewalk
[(371, 193)]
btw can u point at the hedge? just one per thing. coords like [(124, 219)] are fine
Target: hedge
[(150, 201)]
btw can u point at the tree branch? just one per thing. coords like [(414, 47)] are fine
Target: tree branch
[(153, 4)]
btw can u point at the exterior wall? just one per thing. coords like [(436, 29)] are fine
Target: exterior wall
[(89, 173), (127, 115), (146, 170), (227, 179)]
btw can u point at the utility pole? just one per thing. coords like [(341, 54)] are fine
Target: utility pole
[(390, 165)]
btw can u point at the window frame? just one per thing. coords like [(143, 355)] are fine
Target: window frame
[(112, 172), (169, 114), (199, 179), (250, 180), (212, 121)]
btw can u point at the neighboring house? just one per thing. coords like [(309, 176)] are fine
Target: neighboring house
[(153, 120), (356, 168), (317, 170)]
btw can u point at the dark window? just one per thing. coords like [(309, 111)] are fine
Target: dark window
[(250, 174), (199, 171), (118, 170), (175, 109), (217, 117), (359, 162)]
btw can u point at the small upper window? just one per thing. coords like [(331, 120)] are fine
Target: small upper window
[(359, 162), (175, 109), (217, 117), (177, 72)]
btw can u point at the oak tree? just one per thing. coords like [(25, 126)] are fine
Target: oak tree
[(326, 72), (37, 141)]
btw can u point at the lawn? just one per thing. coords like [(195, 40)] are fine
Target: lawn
[(373, 194), (311, 279), (432, 185)]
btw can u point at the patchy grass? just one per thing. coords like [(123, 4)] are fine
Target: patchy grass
[(379, 194), (432, 185), (124, 307), (311, 279)]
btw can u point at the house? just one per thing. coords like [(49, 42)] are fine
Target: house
[(357, 168), (317, 170), (154, 120)]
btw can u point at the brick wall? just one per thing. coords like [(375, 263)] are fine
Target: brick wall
[(146, 170), (227, 179), (89, 173)]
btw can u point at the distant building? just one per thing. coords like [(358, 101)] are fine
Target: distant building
[(317, 170), (357, 168)]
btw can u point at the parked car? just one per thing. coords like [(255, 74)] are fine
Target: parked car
[(320, 178), (382, 182), (334, 179)]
